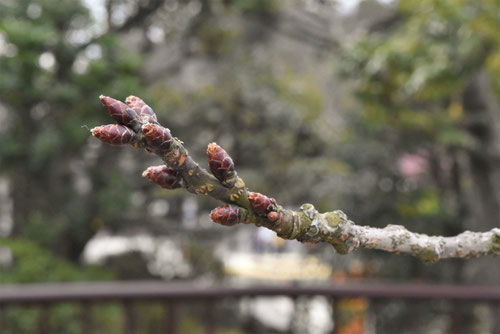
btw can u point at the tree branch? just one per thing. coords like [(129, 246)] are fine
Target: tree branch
[(139, 127)]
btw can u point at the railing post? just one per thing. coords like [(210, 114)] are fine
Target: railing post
[(43, 319), (250, 324), (129, 323), (336, 316), (3, 318), (210, 317), (86, 318), (170, 317)]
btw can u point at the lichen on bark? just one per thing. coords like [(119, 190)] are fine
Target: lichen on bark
[(495, 244)]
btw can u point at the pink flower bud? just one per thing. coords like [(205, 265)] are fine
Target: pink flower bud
[(119, 110), (141, 108), (261, 204), (221, 164), (163, 176), (113, 134), (273, 216), (225, 215), (157, 136)]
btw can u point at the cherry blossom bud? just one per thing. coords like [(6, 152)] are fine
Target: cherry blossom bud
[(141, 108), (221, 164), (273, 216), (261, 204), (119, 110), (163, 176), (113, 134), (157, 136), (225, 215)]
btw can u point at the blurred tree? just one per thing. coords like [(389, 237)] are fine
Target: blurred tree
[(29, 264), (427, 78), (245, 103), (55, 59)]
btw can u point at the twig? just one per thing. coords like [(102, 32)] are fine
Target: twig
[(139, 127)]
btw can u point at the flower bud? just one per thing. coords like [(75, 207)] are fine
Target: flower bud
[(157, 136), (113, 134), (119, 110), (273, 216), (261, 204), (221, 164), (163, 176), (141, 108), (225, 215)]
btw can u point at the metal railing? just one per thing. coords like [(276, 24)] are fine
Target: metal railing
[(173, 294)]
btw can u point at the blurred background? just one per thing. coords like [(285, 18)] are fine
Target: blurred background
[(387, 110)]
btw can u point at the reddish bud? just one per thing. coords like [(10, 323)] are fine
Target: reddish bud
[(261, 204), (163, 176), (221, 164), (273, 216), (113, 134), (141, 107), (119, 110), (157, 136), (225, 215)]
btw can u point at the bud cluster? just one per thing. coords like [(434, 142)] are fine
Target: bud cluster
[(221, 164), (226, 215), (113, 134), (163, 176), (138, 125)]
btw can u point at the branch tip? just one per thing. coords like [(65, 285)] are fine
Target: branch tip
[(119, 111), (144, 111), (113, 134)]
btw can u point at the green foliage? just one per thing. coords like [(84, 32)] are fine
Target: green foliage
[(421, 204), (423, 63), (214, 38), (421, 66), (271, 122), (299, 91), (113, 195), (257, 7), (32, 264), (411, 76), (49, 84)]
